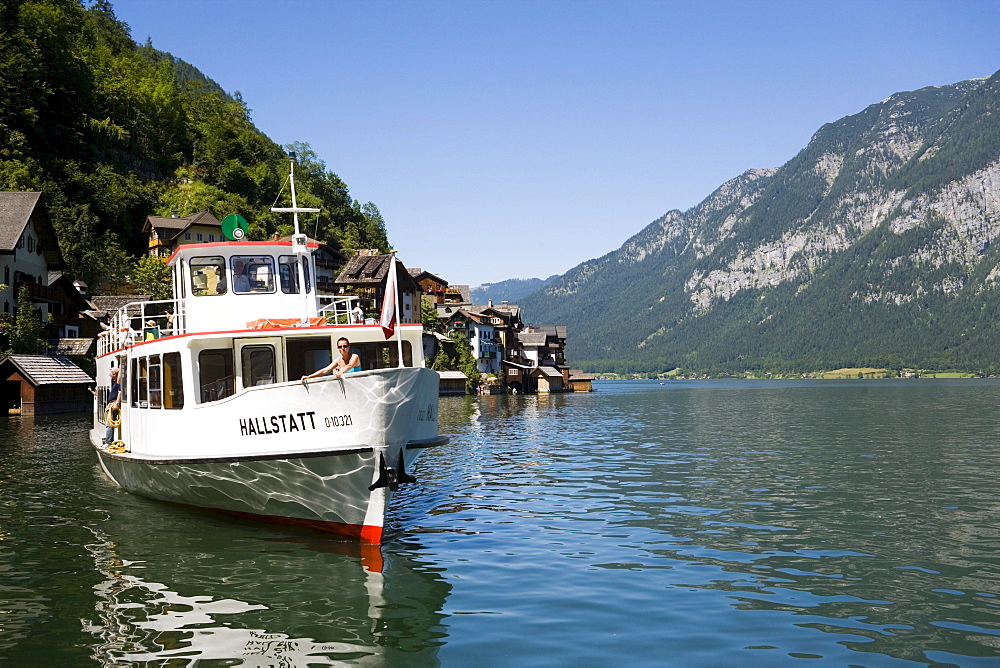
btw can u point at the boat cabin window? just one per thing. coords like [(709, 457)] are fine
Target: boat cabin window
[(382, 355), (140, 383), (208, 276), (252, 273), (258, 365), (288, 272), (215, 370), (305, 354), (173, 387), (156, 383)]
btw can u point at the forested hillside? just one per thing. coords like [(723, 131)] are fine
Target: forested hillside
[(111, 132), (874, 246)]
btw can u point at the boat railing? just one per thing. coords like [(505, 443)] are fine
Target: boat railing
[(339, 311), (142, 321)]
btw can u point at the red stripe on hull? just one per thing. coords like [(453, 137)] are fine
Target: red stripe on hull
[(366, 533), (371, 534), (370, 537)]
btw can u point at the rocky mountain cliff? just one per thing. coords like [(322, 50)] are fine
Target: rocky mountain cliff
[(873, 246)]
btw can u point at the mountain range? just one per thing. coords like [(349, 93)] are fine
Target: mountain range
[(510, 290), (873, 246)]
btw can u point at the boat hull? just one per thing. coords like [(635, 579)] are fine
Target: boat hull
[(325, 454), (324, 491)]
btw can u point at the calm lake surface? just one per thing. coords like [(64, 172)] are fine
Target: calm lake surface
[(691, 524)]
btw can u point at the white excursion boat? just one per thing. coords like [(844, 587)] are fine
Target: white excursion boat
[(214, 411)]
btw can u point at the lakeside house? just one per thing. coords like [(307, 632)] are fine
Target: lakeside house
[(505, 347), (29, 250), (365, 275), (30, 259), (166, 233)]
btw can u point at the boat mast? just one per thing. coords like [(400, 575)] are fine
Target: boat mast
[(300, 242)]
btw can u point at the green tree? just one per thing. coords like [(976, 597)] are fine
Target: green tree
[(116, 266), (428, 314), (466, 363), (442, 362), (151, 276), (26, 335)]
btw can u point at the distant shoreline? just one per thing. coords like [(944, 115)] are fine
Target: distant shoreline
[(856, 373)]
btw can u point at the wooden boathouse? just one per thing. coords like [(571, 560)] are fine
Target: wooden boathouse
[(38, 384)]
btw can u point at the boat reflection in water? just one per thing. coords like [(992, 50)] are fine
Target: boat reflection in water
[(269, 601)]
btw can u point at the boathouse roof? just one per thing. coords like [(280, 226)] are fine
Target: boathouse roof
[(547, 371), (45, 370)]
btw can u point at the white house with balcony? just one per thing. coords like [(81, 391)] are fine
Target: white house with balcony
[(28, 251), (483, 337)]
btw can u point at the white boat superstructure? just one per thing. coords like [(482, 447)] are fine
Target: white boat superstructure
[(214, 411)]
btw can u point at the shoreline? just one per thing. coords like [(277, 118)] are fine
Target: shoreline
[(851, 373)]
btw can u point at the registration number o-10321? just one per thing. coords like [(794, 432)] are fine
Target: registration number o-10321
[(338, 421)]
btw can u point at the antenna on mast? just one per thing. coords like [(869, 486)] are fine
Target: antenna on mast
[(300, 242)]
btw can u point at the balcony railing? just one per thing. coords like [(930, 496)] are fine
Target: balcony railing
[(134, 321), (36, 291)]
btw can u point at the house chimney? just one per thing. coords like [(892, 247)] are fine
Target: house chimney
[(81, 287), (173, 214), (489, 302)]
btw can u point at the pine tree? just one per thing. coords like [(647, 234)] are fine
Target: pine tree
[(26, 337)]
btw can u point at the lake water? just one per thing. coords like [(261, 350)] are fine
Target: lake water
[(690, 524)]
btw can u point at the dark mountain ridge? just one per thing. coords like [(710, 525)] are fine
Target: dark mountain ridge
[(871, 247), (509, 290)]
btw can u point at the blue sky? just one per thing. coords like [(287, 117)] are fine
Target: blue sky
[(517, 139)]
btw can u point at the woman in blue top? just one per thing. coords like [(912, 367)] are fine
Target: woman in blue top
[(345, 363)]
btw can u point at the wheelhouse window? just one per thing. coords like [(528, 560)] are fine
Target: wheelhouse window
[(215, 369), (252, 273), (258, 365), (288, 273), (208, 276)]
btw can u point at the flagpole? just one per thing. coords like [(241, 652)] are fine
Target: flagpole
[(395, 305)]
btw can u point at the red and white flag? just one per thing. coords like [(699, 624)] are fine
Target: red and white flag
[(388, 319)]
